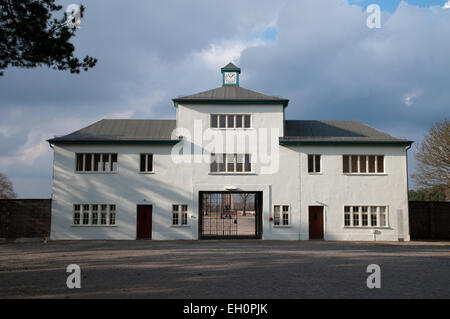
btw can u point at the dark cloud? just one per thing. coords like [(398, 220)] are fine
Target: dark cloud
[(323, 58)]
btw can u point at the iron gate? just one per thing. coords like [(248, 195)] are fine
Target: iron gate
[(223, 215)]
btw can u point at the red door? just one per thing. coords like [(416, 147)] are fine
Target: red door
[(144, 222), (315, 222)]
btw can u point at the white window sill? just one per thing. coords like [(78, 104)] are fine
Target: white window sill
[(232, 129), (365, 174), (181, 226), (282, 226), (230, 173), (95, 226), (367, 227), (147, 173), (312, 173), (114, 172)]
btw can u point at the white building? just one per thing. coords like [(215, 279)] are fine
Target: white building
[(283, 179)]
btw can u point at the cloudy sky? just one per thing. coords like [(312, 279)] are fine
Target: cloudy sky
[(318, 53)]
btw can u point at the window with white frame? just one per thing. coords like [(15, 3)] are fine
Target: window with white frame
[(314, 163), (86, 214), (146, 163), (281, 215), (230, 163), (94, 220), (179, 214), (363, 164), (365, 216), (96, 162), (231, 121), (104, 214), (112, 214), (347, 219), (76, 214), (94, 214)]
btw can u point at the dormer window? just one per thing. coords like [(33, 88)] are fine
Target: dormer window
[(231, 121)]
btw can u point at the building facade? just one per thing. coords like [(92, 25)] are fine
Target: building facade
[(230, 166)]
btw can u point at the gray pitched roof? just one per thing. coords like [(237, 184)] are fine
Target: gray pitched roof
[(304, 131), (159, 131), (122, 131), (231, 94), (231, 66)]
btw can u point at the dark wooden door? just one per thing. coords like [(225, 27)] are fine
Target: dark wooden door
[(144, 222), (315, 222)]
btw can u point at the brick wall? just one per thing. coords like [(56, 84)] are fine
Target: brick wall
[(25, 218), (429, 220)]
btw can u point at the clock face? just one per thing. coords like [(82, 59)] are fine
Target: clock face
[(230, 78)]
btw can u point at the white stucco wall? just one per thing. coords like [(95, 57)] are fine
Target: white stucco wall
[(180, 184)]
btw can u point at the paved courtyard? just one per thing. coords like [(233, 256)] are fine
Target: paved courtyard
[(225, 269)]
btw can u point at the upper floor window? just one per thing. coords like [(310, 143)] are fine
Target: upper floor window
[(230, 121), (361, 164), (146, 165), (230, 163), (96, 162), (314, 161)]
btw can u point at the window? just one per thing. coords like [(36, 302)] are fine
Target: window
[(103, 214), (238, 121), (360, 164), (112, 214), (85, 214), (230, 163), (88, 214), (230, 121), (281, 215), (175, 214), (365, 216), (285, 215), (248, 163), (373, 216), (183, 214), (179, 214), (314, 163), (383, 221), (96, 162), (347, 216), (276, 215), (94, 215), (146, 163), (214, 120), (355, 216), (76, 214)]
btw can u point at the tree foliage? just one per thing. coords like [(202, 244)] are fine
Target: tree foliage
[(433, 158), (30, 36), (6, 187), (434, 194)]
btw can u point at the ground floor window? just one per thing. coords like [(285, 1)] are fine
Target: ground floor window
[(281, 215), (179, 214), (365, 216), (94, 214)]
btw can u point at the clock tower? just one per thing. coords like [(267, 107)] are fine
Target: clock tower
[(230, 74)]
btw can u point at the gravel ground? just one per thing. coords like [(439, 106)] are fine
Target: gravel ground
[(225, 269)]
